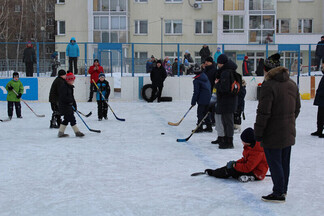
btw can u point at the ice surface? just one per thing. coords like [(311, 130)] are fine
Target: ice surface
[(131, 169)]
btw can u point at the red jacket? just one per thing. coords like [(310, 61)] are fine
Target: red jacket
[(253, 160), (95, 73)]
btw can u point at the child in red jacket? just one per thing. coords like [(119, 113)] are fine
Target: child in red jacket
[(252, 166)]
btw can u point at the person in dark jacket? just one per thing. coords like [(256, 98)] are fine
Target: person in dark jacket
[(67, 106), (226, 101), (252, 166), (55, 64), (246, 67), (319, 53), (201, 96), (94, 71), (55, 122), (260, 68), (150, 64), (240, 107), (175, 68), (29, 58), (188, 62), (319, 101), (157, 76), (204, 53), (104, 88), (275, 124)]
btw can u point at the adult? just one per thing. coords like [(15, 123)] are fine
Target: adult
[(29, 58), (204, 53), (175, 67), (217, 53), (55, 64), (54, 99), (274, 127), (94, 71), (246, 67), (150, 64), (319, 101), (319, 53), (73, 52), (188, 62), (226, 101), (157, 76), (260, 68)]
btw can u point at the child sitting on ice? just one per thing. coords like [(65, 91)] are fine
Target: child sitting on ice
[(252, 166)]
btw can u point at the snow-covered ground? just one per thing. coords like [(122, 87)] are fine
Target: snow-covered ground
[(131, 169)]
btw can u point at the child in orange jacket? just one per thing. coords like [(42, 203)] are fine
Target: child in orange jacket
[(252, 166)]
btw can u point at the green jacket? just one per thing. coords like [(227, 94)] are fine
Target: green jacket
[(18, 87)]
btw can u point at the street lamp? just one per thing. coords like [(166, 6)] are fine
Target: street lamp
[(43, 30)]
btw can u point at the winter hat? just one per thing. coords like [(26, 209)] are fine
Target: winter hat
[(61, 72), (222, 59), (248, 136), (246, 57), (176, 59), (15, 74), (272, 62), (159, 61), (101, 75), (322, 37), (168, 62), (197, 69), (70, 77), (209, 59), (187, 51), (152, 56), (96, 60)]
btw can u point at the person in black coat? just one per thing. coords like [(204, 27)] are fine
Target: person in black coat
[(204, 53), (29, 58), (54, 99), (67, 106), (157, 76), (260, 68), (319, 101), (102, 103), (201, 96), (226, 101), (319, 53), (240, 107)]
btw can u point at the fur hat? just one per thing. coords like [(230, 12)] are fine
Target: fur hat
[(248, 136), (70, 77), (271, 62), (101, 75), (61, 72), (209, 59), (222, 59)]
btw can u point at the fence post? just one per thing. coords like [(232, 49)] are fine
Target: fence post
[(178, 50), (133, 60), (85, 59), (267, 50), (37, 56), (121, 61), (309, 59)]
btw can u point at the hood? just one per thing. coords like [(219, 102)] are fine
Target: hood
[(280, 74), (72, 38), (202, 76), (229, 65)]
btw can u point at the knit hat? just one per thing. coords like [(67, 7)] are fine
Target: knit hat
[(101, 75), (246, 57), (248, 136), (272, 62), (159, 61), (15, 74), (322, 37), (222, 59), (70, 77), (209, 59), (96, 60), (61, 72), (152, 56)]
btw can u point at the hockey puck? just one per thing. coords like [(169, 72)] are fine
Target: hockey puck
[(162, 133)]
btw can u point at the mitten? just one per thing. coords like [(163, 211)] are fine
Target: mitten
[(19, 95), (230, 164), (10, 87)]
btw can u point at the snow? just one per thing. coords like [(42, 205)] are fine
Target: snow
[(131, 169)]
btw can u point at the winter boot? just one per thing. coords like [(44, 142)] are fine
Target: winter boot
[(77, 132), (246, 178), (317, 133), (274, 198), (208, 128), (237, 128), (199, 130), (228, 143), (61, 131), (218, 141)]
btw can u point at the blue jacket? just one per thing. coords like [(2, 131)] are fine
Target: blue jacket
[(72, 49), (216, 56), (202, 92), (105, 90)]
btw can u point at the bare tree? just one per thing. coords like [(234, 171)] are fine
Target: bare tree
[(20, 32)]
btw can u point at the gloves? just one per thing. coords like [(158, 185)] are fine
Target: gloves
[(19, 96), (230, 164), (10, 87)]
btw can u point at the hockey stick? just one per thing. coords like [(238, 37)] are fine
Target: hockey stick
[(120, 119), (186, 139), (198, 173), (28, 105), (89, 114), (176, 124), (5, 120), (97, 131)]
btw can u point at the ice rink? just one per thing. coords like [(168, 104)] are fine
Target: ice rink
[(131, 169)]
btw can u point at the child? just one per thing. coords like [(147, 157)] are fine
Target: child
[(168, 68), (240, 108), (104, 88), (12, 97), (252, 166), (67, 106)]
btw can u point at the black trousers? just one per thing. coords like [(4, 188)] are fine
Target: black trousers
[(102, 109), (202, 110), (56, 116), (320, 118), (238, 118), (17, 105), (228, 123), (69, 118), (73, 63), (54, 71), (156, 91), (318, 61), (92, 90), (29, 69), (223, 172)]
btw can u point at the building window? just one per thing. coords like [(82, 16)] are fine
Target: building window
[(233, 24), (232, 5), (118, 22), (290, 60), (261, 28), (140, 55), (204, 27), (305, 26), (60, 1), (173, 27), (254, 58), (173, 1), (172, 55), (50, 7), (101, 22), (60, 27), (140, 1), (17, 8), (141, 27), (50, 22), (282, 26), (61, 58), (262, 4), (50, 35), (203, 0)]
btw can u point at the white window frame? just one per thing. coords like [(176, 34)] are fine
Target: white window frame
[(172, 29), (137, 55), (202, 22), (61, 59), (279, 26), (59, 2), (173, 56), (234, 5), (302, 26), (204, 1), (58, 27), (233, 30), (173, 1), (139, 27), (141, 1)]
